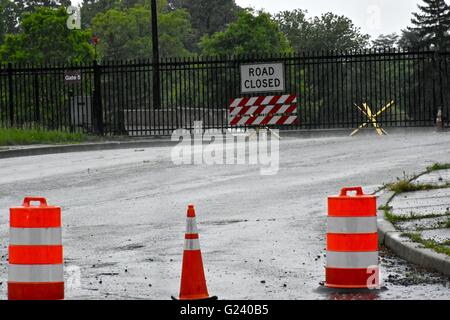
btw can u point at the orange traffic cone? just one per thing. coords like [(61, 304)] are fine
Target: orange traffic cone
[(193, 282)]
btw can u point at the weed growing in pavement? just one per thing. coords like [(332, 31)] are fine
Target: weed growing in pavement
[(403, 185), (406, 183), (430, 244), (438, 166)]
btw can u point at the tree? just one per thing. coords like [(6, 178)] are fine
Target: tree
[(409, 39), (250, 34), (90, 8), (126, 34), (210, 16), (31, 5), (45, 38), (430, 26), (9, 18), (327, 32), (386, 41), (430, 29), (44, 3)]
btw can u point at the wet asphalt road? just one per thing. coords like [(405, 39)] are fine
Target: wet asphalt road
[(262, 237)]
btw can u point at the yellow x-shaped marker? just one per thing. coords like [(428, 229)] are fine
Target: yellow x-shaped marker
[(372, 118)]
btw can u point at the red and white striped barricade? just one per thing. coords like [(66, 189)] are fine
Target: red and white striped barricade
[(263, 111)]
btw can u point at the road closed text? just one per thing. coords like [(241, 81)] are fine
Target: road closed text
[(262, 77)]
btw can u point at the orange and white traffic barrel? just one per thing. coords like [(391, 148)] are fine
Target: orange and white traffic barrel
[(352, 241), (35, 270)]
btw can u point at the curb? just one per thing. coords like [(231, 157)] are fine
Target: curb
[(345, 132), (37, 151), (405, 248), (165, 141)]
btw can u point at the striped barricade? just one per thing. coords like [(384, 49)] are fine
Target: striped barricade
[(263, 111), (35, 270), (352, 241)]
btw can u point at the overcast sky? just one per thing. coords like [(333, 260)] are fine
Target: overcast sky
[(372, 16)]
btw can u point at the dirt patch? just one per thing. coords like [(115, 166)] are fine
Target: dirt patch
[(404, 274)]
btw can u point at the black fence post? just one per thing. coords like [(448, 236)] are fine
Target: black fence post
[(445, 85), (37, 113), (440, 66), (11, 95), (97, 100), (433, 86), (156, 66)]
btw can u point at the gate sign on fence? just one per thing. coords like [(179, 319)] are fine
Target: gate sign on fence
[(72, 77), (263, 111), (262, 77)]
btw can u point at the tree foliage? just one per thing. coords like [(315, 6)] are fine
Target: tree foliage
[(327, 32), (27, 6), (9, 18), (252, 33), (430, 26), (90, 8), (126, 34), (186, 27), (45, 38), (11, 12), (386, 41), (209, 16)]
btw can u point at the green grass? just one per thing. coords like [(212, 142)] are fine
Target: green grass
[(438, 166), (12, 136), (430, 244), (392, 218), (405, 185)]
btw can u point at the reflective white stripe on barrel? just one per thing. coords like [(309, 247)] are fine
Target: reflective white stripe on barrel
[(36, 273), (35, 236), (191, 226), (352, 225), (191, 244), (351, 259)]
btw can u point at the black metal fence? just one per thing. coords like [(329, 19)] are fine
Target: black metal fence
[(116, 97)]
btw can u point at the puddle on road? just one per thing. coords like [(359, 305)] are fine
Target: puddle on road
[(108, 274), (223, 222), (131, 247), (350, 294), (104, 265)]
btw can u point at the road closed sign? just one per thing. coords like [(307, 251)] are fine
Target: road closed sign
[(267, 77)]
